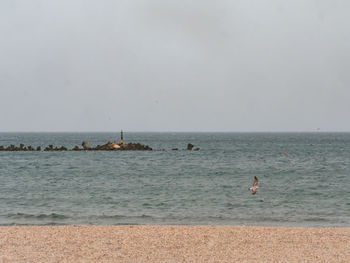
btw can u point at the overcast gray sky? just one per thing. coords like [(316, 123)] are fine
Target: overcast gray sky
[(164, 65)]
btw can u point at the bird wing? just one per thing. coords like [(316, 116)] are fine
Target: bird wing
[(256, 181)]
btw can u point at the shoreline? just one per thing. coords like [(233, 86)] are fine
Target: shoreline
[(173, 243)]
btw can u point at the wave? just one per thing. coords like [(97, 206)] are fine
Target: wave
[(109, 217), (52, 216)]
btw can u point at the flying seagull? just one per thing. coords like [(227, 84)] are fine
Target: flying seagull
[(255, 186)]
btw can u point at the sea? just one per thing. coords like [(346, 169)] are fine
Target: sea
[(304, 180)]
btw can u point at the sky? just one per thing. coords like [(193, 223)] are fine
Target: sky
[(164, 65)]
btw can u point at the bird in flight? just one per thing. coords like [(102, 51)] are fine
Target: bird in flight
[(255, 186)]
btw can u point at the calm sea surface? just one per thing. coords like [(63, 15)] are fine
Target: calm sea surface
[(309, 186)]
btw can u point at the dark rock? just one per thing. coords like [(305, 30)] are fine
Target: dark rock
[(38, 148), (12, 148), (49, 148), (30, 148), (196, 149), (135, 147), (175, 149), (76, 148), (190, 146), (2, 148), (21, 146), (85, 145)]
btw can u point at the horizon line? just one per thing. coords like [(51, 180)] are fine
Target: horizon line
[(179, 131)]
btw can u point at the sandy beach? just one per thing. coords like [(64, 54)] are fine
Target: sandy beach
[(173, 244)]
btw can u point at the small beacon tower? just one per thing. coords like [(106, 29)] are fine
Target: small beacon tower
[(121, 137)]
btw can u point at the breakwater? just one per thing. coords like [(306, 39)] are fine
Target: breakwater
[(109, 146)]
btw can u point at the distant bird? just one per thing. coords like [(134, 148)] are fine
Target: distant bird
[(255, 186)]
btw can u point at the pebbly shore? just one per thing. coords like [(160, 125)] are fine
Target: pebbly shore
[(47, 244)]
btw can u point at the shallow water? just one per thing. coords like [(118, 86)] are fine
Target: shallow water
[(309, 186)]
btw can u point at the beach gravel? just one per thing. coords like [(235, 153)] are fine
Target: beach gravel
[(173, 244)]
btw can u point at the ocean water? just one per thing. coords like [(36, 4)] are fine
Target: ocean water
[(307, 186)]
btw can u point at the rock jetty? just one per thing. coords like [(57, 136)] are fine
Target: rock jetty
[(109, 146)]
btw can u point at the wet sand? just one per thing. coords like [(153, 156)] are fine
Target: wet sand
[(173, 244)]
